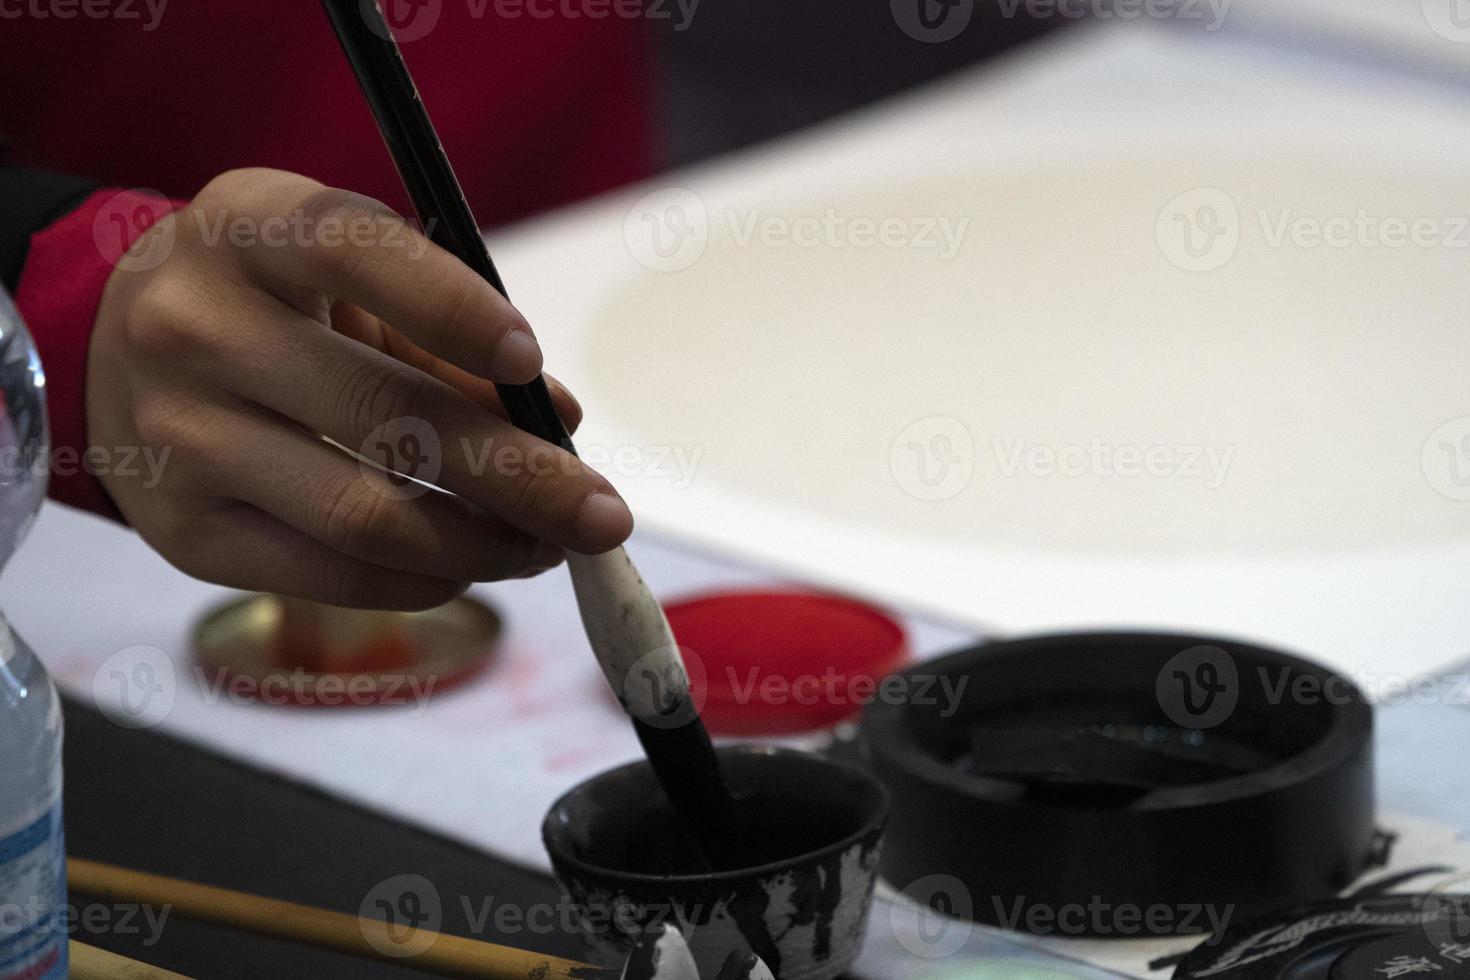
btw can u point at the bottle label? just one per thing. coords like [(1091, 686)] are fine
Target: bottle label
[(33, 900)]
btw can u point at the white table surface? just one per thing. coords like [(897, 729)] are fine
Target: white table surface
[(793, 372)]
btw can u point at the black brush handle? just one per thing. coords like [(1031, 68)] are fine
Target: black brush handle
[(682, 757), (425, 171)]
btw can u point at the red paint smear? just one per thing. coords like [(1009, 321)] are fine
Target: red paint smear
[(572, 758)]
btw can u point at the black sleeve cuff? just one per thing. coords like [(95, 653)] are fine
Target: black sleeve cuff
[(29, 201)]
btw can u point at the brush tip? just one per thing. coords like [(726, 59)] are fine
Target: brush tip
[(744, 965), (660, 953)]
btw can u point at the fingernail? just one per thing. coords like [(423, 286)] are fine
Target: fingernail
[(604, 521), (546, 555), (566, 393), (518, 358)]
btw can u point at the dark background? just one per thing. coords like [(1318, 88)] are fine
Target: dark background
[(747, 71)]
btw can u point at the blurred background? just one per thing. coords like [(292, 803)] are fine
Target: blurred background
[(735, 74)]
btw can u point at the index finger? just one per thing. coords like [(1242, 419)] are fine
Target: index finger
[(359, 250)]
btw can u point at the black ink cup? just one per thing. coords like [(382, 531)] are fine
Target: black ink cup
[(810, 835)]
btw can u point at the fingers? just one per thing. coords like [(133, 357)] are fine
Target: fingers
[(483, 393), (567, 406), (350, 321), (266, 555), (224, 360), (393, 272), (363, 512), (349, 392)]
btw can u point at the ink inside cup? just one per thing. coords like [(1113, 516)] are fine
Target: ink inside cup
[(810, 838)]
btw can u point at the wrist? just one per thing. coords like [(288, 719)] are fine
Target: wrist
[(69, 267)]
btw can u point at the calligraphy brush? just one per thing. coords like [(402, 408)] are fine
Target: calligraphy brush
[(623, 621)]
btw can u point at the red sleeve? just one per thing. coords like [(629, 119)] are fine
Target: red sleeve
[(538, 103), (66, 268)]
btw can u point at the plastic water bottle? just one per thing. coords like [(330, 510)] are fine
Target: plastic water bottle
[(33, 933)]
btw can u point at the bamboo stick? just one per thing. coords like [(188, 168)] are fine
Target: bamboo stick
[(370, 938), (91, 963)]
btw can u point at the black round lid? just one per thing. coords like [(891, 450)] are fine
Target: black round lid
[(1390, 937)]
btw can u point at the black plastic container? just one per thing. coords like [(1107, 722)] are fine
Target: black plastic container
[(1124, 784)]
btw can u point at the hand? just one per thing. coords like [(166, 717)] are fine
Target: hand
[(255, 337)]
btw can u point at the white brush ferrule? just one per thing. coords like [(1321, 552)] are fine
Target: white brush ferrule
[(631, 638)]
